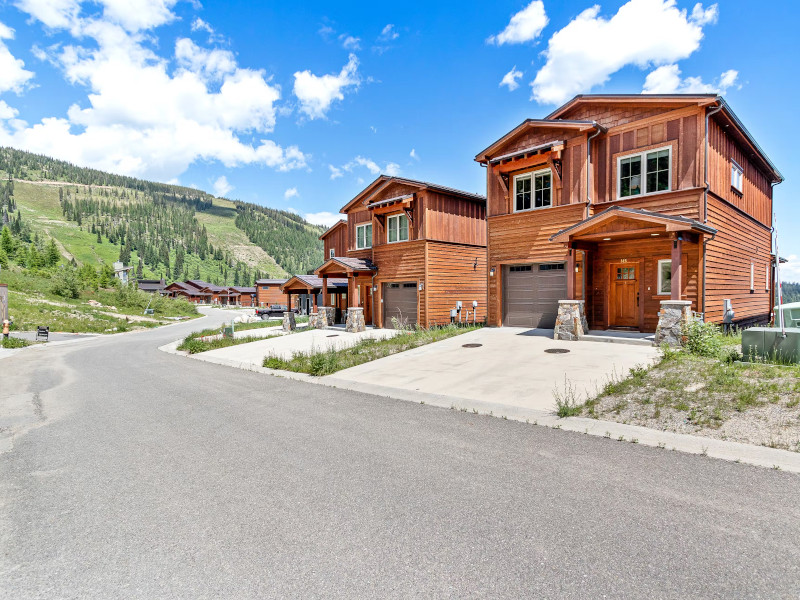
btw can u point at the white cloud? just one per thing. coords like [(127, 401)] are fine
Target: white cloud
[(56, 14), (7, 112), (291, 193), (590, 48), (336, 172), (136, 15), (13, 75), (143, 118), (524, 26), (388, 33), (790, 271), (200, 25), (317, 93), (510, 79), (413, 154), (323, 218), (389, 168), (707, 16), (222, 187), (350, 42), (667, 80)]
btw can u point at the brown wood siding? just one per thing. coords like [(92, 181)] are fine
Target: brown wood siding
[(269, 294), (450, 219), (525, 238), (404, 261), (357, 216), (756, 197), (336, 241), (739, 241), (645, 254), (615, 115), (681, 203), (452, 276)]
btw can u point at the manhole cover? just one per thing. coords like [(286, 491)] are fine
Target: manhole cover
[(472, 345), (334, 335), (556, 350)]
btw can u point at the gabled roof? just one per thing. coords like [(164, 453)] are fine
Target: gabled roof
[(271, 281), (350, 265), (706, 100), (244, 290), (383, 180), (672, 223), (314, 283), (333, 228), (197, 283), (578, 126)]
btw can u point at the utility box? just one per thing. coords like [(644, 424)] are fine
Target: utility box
[(791, 314), (768, 343)]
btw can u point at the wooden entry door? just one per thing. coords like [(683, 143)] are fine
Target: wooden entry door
[(624, 295), (365, 301)]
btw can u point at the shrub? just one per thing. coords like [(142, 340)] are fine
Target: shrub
[(703, 339), (65, 283), (13, 343)]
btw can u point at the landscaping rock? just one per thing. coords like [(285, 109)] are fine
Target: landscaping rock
[(571, 321)]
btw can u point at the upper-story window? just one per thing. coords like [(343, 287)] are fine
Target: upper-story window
[(644, 173), (332, 252), (737, 176), (533, 190), (364, 236), (397, 228)]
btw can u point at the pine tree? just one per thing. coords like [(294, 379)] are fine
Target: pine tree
[(99, 237), (52, 255), (6, 241)]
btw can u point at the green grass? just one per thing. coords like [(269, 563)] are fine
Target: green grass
[(12, 342), (325, 362)]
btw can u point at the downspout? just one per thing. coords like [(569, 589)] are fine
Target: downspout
[(372, 295), (709, 113), (589, 139), (486, 224)]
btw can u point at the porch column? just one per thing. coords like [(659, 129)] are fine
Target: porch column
[(288, 300), (313, 299), (677, 268), (571, 274), (352, 292), (325, 291)]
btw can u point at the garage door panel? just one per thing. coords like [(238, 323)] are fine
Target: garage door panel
[(400, 302), (531, 294)]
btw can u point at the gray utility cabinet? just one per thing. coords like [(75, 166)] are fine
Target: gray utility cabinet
[(769, 343)]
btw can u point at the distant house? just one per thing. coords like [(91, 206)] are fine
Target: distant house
[(247, 295), (121, 272), (268, 292), (304, 293), (187, 291), (152, 286)]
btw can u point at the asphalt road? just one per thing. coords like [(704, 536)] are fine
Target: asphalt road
[(137, 474)]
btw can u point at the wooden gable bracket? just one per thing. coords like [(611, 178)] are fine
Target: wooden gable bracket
[(557, 165), (409, 212)]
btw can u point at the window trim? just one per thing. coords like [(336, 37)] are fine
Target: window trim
[(365, 247), (659, 290), (531, 175), (643, 155), (408, 228), (331, 253), (739, 188)]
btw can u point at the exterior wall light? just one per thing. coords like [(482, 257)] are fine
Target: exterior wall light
[(491, 272)]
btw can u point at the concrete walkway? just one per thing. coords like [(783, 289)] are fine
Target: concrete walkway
[(286, 345)]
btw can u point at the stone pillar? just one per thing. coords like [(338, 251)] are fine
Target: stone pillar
[(289, 323), (325, 316), (355, 320), (673, 318), (312, 320), (571, 321)]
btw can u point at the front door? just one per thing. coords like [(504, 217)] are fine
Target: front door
[(365, 301), (624, 296)]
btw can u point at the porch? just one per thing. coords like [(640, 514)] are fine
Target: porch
[(311, 292), (625, 262), (357, 273)]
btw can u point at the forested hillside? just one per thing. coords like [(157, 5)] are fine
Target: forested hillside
[(161, 230), (791, 292)]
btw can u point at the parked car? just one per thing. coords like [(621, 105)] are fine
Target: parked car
[(274, 310)]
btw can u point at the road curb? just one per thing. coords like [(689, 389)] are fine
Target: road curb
[(759, 456)]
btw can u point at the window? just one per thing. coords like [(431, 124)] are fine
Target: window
[(397, 228), (332, 253), (520, 268), (752, 278), (766, 275), (665, 277), (657, 168), (532, 190), (626, 273), (364, 236), (552, 267), (737, 175)]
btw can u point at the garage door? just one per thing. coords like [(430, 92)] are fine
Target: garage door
[(531, 294), (399, 301)]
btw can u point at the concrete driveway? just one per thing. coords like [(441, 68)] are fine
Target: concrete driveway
[(510, 367)]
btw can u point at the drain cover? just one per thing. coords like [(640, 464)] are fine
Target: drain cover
[(556, 350), (333, 335), (472, 345)]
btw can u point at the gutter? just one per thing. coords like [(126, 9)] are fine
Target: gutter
[(599, 129)]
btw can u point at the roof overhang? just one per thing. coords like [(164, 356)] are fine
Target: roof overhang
[(333, 228), (343, 268), (311, 284), (384, 181), (542, 124), (649, 224)]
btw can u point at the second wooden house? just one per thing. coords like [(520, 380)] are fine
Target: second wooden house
[(410, 251)]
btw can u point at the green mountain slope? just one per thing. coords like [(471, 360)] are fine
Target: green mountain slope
[(164, 230)]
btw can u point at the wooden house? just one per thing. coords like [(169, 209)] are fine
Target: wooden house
[(624, 201), (409, 250), (188, 290), (247, 295), (303, 293), (268, 292)]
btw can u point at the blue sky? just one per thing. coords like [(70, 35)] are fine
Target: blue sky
[(299, 105)]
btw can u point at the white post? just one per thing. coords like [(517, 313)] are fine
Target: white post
[(778, 281)]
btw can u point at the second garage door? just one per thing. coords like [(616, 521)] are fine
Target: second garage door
[(399, 301), (531, 294)]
